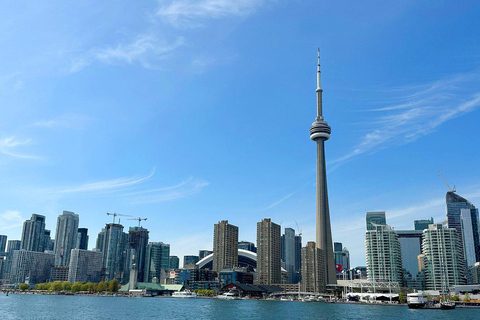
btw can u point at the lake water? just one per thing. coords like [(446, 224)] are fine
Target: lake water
[(17, 306)]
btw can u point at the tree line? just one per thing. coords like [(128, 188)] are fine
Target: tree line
[(91, 287)]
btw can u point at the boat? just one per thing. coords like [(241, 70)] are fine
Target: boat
[(184, 294), (230, 295), (286, 298), (416, 300), (447, 305)]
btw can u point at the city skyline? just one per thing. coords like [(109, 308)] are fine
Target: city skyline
[(99, 117)]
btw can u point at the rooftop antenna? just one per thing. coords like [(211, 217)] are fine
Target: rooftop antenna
[(451, 190), (139, 219)]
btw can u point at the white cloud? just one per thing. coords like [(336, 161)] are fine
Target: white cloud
[(76, 122), (11, 219), (276, 203), (109, 185), (418, 111), (187, 13), (184, 189), (7, 146), (148, 50)]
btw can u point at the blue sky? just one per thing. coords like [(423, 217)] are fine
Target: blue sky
[(189, 112)]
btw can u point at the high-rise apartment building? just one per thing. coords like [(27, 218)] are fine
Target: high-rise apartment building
[(65, 237), (313, 272), (320, 133), (33, 232), (298, 258), (138, 241), (422, 224), (113, 247), (85, 266), (225, 246), (82, 239), (383, 254), (289, 254), (375, 218), (269, 252), (157, 258), (444, 263), (31, 266), (48, 243), (12, 245)]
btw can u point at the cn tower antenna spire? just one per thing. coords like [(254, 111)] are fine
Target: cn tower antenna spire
[(319, 79)]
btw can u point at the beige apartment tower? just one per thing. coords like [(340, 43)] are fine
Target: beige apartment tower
[(269, 252), (225, 246), (313, 272)]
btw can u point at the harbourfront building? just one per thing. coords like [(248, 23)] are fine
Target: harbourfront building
[(444, 263), (157, 259), (225, 246), (12, 245), (313, 272), (268, 252), (65, 237), (113, 244), (85, 265), (383, 254), (31, 266), (33, 232)]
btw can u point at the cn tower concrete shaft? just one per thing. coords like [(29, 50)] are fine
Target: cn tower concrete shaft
[(320, 132)]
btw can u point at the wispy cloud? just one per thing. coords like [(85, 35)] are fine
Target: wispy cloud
[(417, 111), (76, 122), (276, 203), (189, 13), (11, 219), (109, 185), (7, 146), (184, 189), (146, 49)]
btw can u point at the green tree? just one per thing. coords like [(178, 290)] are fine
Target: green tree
[(84, 287), (467, 297), (23, 286), (90, 286), (101, 286), (56, 286), (76, 287), (66, 286), (113, 285), (455, 298)]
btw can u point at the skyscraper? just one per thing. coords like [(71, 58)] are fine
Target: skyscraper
[(313, 262), (320, 132), (298, 258), (411, 246), (157, 258), (85, 266), (246, 245), (375, 218), (65, 237), (269, 252), (203, 253), (383, 254), (225, 246), (444, 264), (138, 240), (12, 245), (33, 232), (114, 250), (342, 258), (288, 254), (82, 238), (48, 243), (470, 235), (174, 262), (190, 261)]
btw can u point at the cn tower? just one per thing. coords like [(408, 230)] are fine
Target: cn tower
[(320, 132)]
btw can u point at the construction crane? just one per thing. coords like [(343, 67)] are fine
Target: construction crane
[(451, 190), (139, 219), (298, 229), (117, 214)]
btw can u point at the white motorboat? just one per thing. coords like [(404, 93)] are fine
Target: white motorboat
[(184, 294), (230, 295)]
